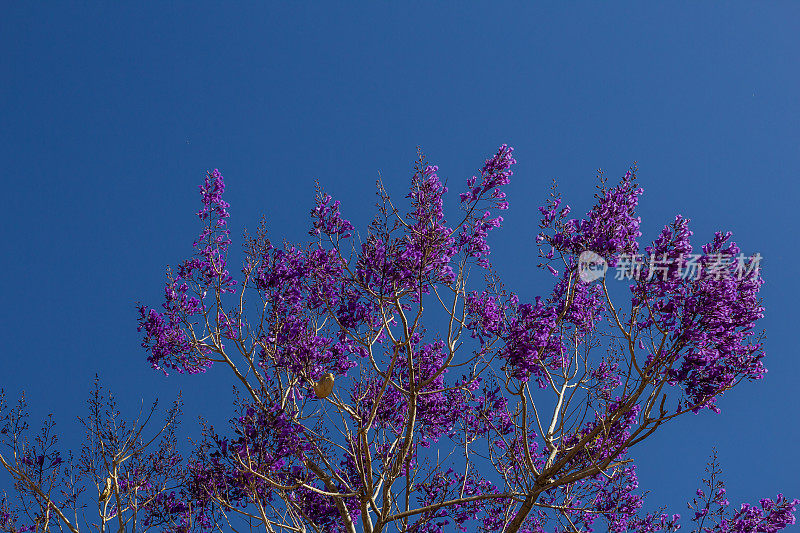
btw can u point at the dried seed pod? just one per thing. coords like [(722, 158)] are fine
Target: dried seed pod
[(106, 492), (324, 387)]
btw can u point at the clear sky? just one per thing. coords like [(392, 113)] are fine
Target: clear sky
[(110, 116)]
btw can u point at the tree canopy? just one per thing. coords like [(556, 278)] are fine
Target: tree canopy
[(390, 381)]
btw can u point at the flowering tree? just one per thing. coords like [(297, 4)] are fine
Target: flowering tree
[(391, 382), (363, 412)]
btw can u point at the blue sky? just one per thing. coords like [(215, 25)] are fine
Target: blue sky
[(111, 114)]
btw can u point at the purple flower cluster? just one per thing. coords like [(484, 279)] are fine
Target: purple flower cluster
[(529, 332), (610, 229), (773, 516), (328, 220), (298, 285), (411, 264), (496, 172), (167, 339), (709, 321), (270, 445)]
